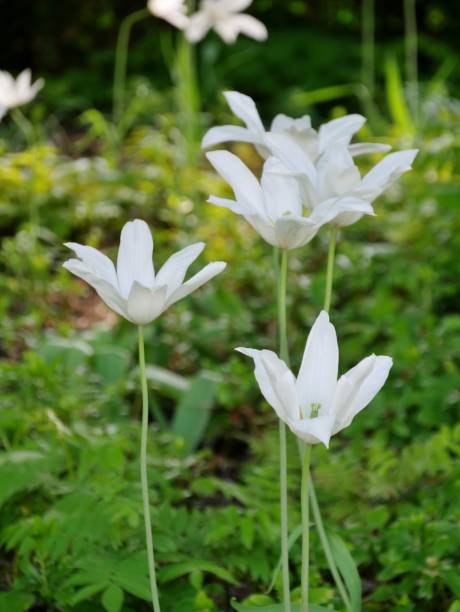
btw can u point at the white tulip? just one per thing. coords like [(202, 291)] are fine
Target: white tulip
[(133, 290), (336, 175), (19, 91), (225, 17), (316, 405), (172, 11), (274, 206), (337, 132)]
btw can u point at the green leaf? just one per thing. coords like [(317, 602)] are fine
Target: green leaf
[(16, 601), (176, 570), (87, 592), (348, 570), (295, 607), (395, 96), (193, 412), (293, 537), (112, 598), (111, 363)]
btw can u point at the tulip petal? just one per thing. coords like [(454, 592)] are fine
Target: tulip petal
[(194, 283), (386, 172), (292, 156), (95, 261), (145, 304), (174, 270), (339, 132), (335, 210), (276, 382), (357, 388), (363, 148), (231, 26), (246, 187), (314, 431), (317, 377), (105, 290), (134, 261), (292, 232), (229, 133), (235, 6), (245, 109), (281, 192), (226, 203)]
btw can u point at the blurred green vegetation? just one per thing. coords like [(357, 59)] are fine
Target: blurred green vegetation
[(71, 532)]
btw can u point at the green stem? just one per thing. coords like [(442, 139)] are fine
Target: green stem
[(121, 62), (411, 45), (24, 125), (327, 547), (368, 46), (330, 268), (284, 354), (305, 525), (144, 480)]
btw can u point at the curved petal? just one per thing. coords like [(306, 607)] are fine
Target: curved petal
[(226, 203), (292, 156), (172, 11), (245, 109), (198, 26), (194, 283), (339, 131), (338, 174), (264, 227), (134, 262), (229, 133), (356, 389), (386, 172), (293, 232), (173, 272), (314, 431), (363, 148), (339, 210), (105, 290), (317, 377), (145, 304), (231, 26), (276, 382), (235, 6), (95, 261), (246, 187)]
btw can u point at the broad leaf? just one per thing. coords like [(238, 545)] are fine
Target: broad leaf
[(348, 570)]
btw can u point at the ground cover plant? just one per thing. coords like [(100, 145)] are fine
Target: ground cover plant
[(72, 528)]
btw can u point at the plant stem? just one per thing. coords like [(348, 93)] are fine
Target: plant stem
[(121, 62), (327, 547), (24, 125), (281, 269), (330, 268), (368, 46), (144, 480), (411, 45), (305, 525)]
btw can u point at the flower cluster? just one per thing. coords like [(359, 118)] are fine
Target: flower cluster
[(223, 16), (309, 177)]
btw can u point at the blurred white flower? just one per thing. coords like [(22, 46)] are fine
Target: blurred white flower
[(19, 91), (133, 290), (274, 206), (337, 132), (336, 175), (316, 405), (172, 11), (225, 17)]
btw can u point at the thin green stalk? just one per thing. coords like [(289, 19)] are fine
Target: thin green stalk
[(327, 547), (330, 268), (368, 46), (284, 354), (24, 125), (144, 479), (305, 526), (411, 46), (121, 62)]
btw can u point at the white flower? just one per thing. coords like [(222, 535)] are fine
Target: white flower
[(172, 11), (225, 17), (274, 206), (17, 92), (316, 405), (299, 131), (133, 290), (336, 175)]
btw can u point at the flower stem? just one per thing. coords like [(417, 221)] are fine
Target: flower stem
[(327, 547), (330, 268), (121, 62), (281, 268), (411, 44), (305, 525), (144, 481)]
